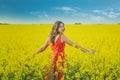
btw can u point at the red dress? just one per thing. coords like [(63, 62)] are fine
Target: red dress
[(58, 59)]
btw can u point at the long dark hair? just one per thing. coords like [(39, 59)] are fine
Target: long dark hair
[(54, 31)]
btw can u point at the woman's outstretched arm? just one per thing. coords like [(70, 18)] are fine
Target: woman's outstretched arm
[(41, 49), (69, 42)]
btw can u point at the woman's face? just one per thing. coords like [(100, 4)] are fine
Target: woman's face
[(61, 28)]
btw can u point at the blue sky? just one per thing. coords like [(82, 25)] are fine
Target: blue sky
[(68, 11)]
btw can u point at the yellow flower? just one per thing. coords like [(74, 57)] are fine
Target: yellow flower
[(65, 70), (56, 73), (77, 75)]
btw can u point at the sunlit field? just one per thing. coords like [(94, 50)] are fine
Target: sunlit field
[(19, 41)]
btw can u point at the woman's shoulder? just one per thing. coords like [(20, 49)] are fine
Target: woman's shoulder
[(63, 36)]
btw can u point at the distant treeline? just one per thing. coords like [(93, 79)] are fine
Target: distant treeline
[(97, 23), (41, 24), (3, 23), (78, 23)]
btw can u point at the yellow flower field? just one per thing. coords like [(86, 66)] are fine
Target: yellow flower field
[(19, 41)]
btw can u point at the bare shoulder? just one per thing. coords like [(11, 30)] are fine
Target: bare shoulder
[(67, 40), (63, 38)]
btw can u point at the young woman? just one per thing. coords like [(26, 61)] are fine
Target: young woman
[(57, 41)]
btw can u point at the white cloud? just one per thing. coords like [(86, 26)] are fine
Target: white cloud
[(34, 12), (39, 14), (113, 14), (70, 15), (96, 11), (10, 20), (109, 13), (65, 8), (100, 12), (89, 18), (76, 14), (45, 14), (98, 19)]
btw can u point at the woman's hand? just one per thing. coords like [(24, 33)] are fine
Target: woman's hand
[(92, 51), (29, 57)]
